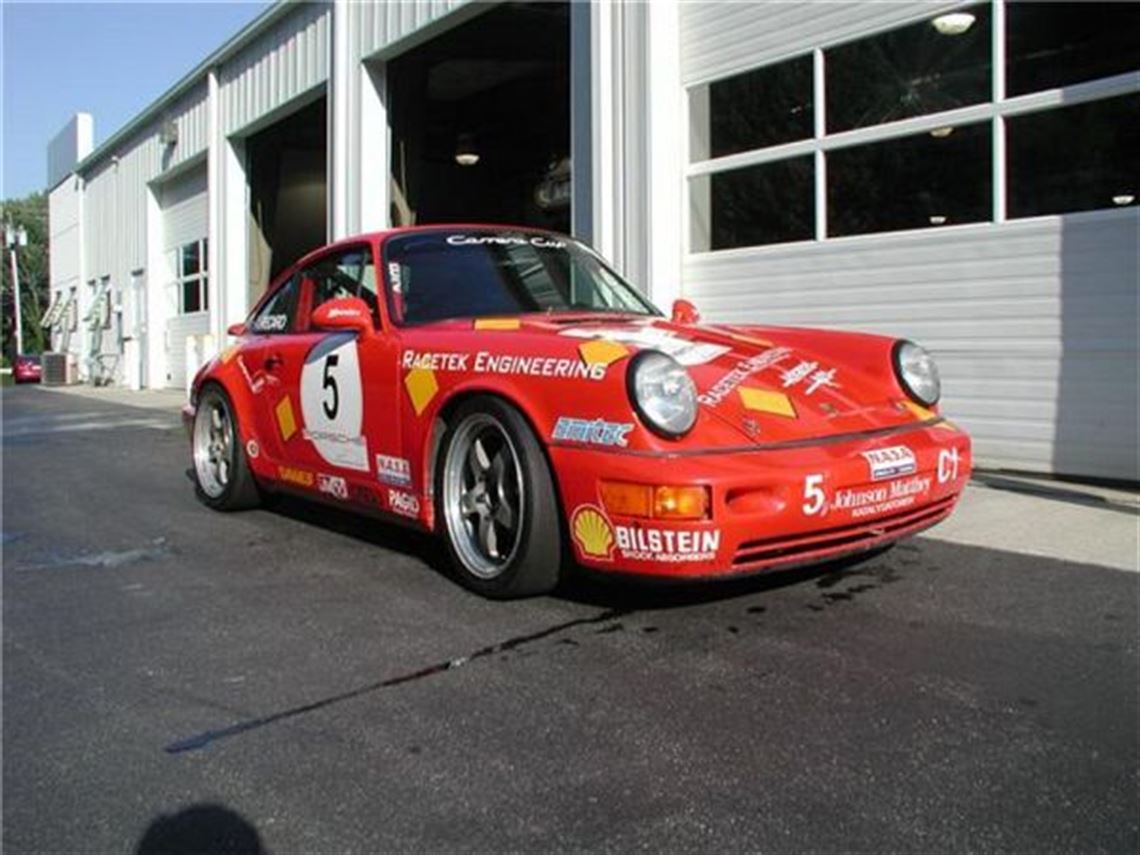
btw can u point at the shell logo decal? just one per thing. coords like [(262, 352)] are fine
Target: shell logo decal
[(592, 532)]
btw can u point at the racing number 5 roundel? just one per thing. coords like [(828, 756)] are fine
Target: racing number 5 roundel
[(332, 402)]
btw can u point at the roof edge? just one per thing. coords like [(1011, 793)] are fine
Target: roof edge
[(188, 81)]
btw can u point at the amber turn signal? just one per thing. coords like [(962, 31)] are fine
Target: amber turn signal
[(665, 502)]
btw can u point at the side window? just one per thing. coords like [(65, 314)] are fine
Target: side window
[(279, 311), (347, 274)]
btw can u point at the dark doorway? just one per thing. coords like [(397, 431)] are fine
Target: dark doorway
[(287, 165), (493, 93)]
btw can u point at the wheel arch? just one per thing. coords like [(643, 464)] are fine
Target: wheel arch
[(434, 441)]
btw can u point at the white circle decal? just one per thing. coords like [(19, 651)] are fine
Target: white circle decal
[(332, 402)]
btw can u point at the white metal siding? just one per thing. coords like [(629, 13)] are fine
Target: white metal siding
[(719, 39), (63, 221), (184, 219), (379, 25), (1034, 324), (288, 60), (178, 329), (184, 209)]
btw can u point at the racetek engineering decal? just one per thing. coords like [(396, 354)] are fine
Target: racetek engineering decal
[(332, 402), (597, 538), (405, 504), (332, 485), (893, 462), (744, 369), (393, 470), (593, 431), (681, 349), (485, 362)]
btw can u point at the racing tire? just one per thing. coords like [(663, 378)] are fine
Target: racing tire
[(222, 479), (497, 509)]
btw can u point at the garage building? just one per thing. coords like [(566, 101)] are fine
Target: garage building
[(963, 174)]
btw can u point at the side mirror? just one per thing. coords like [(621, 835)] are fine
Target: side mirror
[(236, 330), (685, 312), (344, 313)]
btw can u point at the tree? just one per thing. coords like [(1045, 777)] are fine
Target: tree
[(31, 213)]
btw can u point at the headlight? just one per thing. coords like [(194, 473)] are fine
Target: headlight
[(917, 373), (663, 393)]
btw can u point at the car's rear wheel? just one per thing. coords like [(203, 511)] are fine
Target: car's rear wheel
[(221, 472), (497, 506)]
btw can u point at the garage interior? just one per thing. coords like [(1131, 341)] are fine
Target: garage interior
[(287, 168), (480, 120)]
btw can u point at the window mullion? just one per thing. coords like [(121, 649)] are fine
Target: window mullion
[(997, 53), (819, 95)]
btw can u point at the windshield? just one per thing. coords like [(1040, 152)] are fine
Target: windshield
[(444, 274)]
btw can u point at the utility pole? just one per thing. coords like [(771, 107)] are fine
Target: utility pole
[(14, 238)]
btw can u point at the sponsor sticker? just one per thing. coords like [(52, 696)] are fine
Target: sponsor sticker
[(485, 362), (597, 538), (872, 501), (332, 485), (665, 545), (537, 241), (393, 470), (271, 323), (810, 371), (293, 475), (252, 449), (893, 462), (685, 351), (404, 504), (592, 431), (362, 495), (744, 369)]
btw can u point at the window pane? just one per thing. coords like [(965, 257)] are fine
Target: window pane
[(756, 205), (191, 297), (1075, 158), (205, 293), (930, 179), (277, 313), (1058, 44), (190, 259), (205, 254), (927, 67), (764, 107)]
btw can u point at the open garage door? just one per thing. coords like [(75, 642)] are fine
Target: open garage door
[(480, 119), (287, 166), (184, 230)]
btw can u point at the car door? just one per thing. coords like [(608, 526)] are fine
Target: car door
[(331, 388)]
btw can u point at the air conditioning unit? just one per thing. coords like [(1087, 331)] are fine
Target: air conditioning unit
[(60, 369)]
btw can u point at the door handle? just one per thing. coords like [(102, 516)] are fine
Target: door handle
[(272, 361)]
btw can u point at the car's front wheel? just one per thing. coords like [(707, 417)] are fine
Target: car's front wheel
[(221, 472), (497, 505)]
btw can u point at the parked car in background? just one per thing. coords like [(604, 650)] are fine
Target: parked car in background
[(27, 368), (505, 388)]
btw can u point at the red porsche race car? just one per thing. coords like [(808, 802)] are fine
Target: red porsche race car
[(504, 388)]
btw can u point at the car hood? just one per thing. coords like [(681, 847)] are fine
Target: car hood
[(771, 384)]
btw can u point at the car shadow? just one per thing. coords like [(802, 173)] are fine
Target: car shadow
[(199, 829), (580, 585)]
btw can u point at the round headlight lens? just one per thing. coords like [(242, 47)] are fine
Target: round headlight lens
[(663, 393), (917, 373)]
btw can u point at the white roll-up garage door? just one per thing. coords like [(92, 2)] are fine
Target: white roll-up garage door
[(184, 221)]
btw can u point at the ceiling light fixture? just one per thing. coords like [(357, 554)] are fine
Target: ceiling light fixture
[(465, 153), (937, 220), (941, 133), (953, 23), (1123, 199)]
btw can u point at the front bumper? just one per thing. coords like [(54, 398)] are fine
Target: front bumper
[(769, 508)]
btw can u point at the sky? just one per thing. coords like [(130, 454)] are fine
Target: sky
[(107, 59)]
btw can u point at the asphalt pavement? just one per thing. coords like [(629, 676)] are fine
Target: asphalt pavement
[(296, 679)]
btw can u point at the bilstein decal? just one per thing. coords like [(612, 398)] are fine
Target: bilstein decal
[(665, 545)]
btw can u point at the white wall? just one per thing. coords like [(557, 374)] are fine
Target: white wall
[(1034, 322)]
